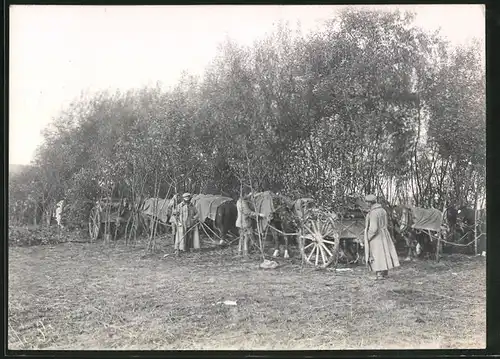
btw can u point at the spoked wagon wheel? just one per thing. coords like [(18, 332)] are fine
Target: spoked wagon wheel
[(320, 240), (94, 223)]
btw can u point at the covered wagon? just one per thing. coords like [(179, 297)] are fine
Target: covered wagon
[(109, 212), (316, 229)]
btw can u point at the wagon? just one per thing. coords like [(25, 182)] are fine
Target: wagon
[(326, 238), (216, 215), (107, 211), (323, 237)]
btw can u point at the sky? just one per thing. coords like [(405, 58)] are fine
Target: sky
[(58, 52)]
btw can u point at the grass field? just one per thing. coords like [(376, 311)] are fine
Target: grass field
[(90, 296)]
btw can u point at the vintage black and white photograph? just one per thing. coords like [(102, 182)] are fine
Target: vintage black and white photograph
[(247, 177)]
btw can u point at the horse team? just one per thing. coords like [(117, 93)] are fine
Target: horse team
[(284, 220)]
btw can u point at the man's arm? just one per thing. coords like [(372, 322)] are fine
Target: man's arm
[(372, 225), (245, 209), (175, 210), (195, 213)]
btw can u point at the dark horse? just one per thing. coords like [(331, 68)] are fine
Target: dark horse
[(280, 219), (218, 214), (225, 219), (285, 220)]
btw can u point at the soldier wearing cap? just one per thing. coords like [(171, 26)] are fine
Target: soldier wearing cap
[(380, 252), (186, 216)]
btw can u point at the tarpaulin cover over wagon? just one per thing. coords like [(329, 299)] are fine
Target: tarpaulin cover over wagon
[(207, 204), (430, 219), (162, 210)]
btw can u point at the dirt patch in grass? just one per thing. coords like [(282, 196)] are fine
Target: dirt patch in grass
[(92, 296)]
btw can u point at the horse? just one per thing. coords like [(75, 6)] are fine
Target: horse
[(218, 213), (279, 218), (417, 241), (225, 219), (285, 219), (158, 210)]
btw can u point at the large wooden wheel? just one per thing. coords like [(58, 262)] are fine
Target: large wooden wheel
[(319, 240), (94, 223)]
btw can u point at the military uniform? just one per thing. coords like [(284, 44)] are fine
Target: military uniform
[(186, 219), (380, 252)]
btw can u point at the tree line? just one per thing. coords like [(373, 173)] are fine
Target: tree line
[(368, 104)]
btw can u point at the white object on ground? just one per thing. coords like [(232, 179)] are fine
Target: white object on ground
[(228, 302), (286, 256), (267, 264), (418, 249), (276, 253), (343, 269)]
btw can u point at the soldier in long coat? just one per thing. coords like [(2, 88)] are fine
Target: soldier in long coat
[(186, 220), (380, 252)]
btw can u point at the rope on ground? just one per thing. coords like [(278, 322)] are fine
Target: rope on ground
[(232, 240), (435, 237), (465, 235), (283, 233), (458, 244), (441, 295), (204, 230), (203, 225), (185, 234)]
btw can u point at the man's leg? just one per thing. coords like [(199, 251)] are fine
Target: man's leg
[(189, 240), (196, 238), (246, 238), (175, 230), (240, 240), (181, 234)]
